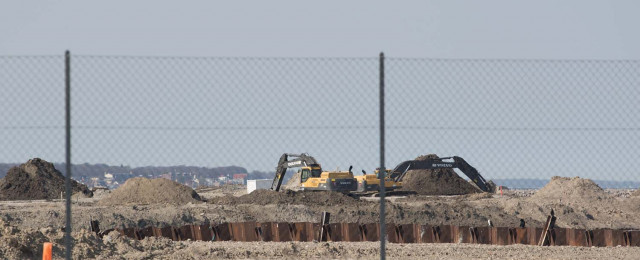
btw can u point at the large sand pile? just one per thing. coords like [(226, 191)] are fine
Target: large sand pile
[(570, 188), (265, 197), (150, 191), (436, 181), (36, 179)]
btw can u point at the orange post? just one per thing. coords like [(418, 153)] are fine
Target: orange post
[(500, 190), (46, 251)]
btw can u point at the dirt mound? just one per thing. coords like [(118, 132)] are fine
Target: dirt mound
[(576, 187), (150, 191), (265, 197), (36, 179), (436, 181), (27, 243), (293, 183), (636, 193)]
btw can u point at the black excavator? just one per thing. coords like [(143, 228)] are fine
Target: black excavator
[(393, 179), (311, 175)]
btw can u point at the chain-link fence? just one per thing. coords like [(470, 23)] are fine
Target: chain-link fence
[(518, 122), (32, 108), (200, 120)]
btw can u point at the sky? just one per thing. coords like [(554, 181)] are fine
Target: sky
[(487, 87), (572, 29)]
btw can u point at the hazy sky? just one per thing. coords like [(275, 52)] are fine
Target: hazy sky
[(548, 29), (509, 118)]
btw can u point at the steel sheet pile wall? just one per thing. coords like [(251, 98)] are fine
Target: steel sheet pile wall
[(401, 233)]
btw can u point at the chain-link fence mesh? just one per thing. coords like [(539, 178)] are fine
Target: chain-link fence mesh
[(514, 120), (32, 108), (519, 122), (221, 112)]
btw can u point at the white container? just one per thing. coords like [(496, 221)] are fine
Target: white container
[(258, 184)]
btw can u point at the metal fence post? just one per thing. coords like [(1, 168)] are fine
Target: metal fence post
[(67, 182), (382, 172)]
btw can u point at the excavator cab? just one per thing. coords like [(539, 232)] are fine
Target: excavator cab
[(313, 171), (386, 174)]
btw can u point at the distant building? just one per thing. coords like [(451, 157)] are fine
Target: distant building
[(108, 179), (258, 184), (95, 181), (239, 178), (196, 182)]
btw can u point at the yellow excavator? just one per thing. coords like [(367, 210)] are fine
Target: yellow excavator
[(311, 175), (371, 182), (393, 178)]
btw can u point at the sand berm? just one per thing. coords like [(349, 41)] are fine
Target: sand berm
[(141, 191)]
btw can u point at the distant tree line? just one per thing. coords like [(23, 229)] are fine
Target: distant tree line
[(87, 170)]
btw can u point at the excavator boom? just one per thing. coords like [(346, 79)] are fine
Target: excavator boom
[(401, 170)]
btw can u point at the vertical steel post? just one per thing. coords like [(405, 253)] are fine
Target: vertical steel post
[(67, 182), (382, 172)]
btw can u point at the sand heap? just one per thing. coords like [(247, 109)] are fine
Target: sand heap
[(570, 188), (636, 193), (150, 191), (293, 183), (436, 181), (265, 197), (36, 179)]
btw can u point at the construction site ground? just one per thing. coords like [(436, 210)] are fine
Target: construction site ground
[(26, 221), (31, 213)]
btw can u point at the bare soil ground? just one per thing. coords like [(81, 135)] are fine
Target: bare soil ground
[(578, 203), (266, 197), (28, 223), (27, 244), (207, 192)]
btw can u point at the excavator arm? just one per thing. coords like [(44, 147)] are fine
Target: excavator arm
[(472, 173), (401, 170), (298, 160)]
